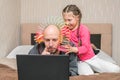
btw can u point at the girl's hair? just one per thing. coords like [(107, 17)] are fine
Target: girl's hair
[(73, 8), (76, 11)]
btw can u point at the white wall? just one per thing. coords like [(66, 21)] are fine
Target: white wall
[(9, 25), (94, 11)]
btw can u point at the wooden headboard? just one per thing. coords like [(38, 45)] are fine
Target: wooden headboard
[(105, 29)]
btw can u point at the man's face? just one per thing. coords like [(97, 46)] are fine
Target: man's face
[(51, 40), (71, 20)]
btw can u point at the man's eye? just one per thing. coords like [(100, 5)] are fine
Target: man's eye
[(54, 39), (47, 40)]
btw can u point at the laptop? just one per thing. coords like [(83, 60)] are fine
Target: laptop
[(43, 67)]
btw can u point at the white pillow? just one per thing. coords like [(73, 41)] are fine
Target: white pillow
[(23, 49)]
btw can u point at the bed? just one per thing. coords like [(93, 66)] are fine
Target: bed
[(101, 34)]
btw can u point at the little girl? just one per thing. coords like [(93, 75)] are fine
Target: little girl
[(79, 35)]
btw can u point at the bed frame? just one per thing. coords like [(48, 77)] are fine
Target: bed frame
[(104, 29)]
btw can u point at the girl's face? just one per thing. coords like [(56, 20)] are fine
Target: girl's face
[(71, 20)]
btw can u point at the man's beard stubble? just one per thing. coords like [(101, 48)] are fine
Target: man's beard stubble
[(52, 50)]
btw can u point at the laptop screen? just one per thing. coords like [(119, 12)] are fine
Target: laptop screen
[(43, 67)]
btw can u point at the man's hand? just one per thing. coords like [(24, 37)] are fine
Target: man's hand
[(45, 52)]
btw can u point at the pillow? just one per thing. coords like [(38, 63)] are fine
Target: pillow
[(23, 49)]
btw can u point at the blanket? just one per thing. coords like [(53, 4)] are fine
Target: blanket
[(8, 71), (101, 76)]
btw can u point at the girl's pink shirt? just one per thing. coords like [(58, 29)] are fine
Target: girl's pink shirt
[(85, 51)]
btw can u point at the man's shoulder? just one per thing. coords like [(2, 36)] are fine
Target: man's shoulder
[(38, 48), (41, 44)]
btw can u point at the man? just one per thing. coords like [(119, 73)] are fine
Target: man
[(50, 44)]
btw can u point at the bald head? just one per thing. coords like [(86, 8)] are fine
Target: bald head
[(51, 37), (52, 29)]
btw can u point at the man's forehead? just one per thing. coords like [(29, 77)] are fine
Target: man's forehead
[(51, 36)]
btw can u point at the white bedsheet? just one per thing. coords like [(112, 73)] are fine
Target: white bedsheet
[(22, 49)]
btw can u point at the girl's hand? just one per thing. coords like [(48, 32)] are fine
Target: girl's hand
[(65, 32), (67, 48), (72, 49)]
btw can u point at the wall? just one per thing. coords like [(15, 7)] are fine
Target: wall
[(9, 25), (94, 11)]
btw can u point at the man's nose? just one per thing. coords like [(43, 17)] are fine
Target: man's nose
[(51, 43)]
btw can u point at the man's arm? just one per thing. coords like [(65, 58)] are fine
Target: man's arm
[(34, 50)]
